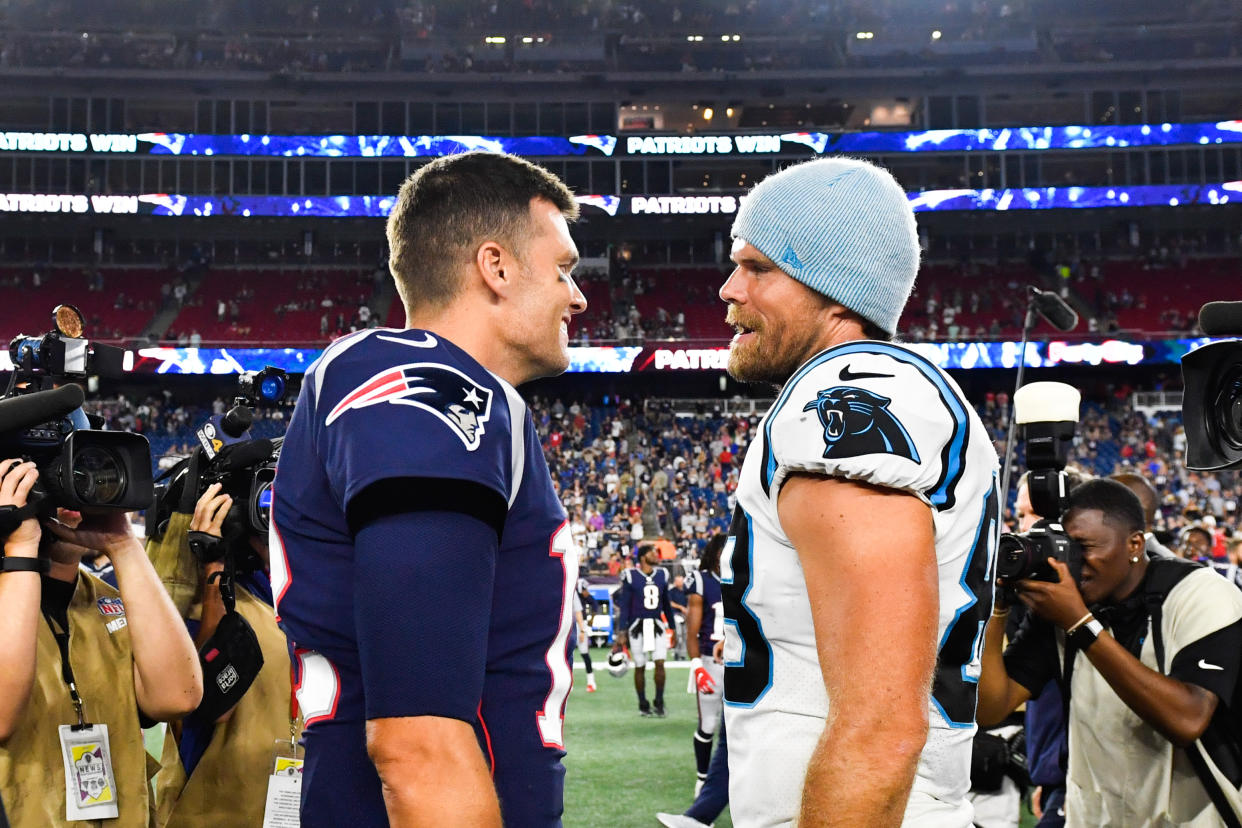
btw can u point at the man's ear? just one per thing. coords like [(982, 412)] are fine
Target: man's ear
[(495, 267)]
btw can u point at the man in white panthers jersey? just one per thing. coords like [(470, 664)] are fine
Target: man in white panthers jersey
[(859, 577)]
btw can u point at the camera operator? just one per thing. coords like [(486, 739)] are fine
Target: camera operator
[(130, 663), (216, 762), (1161, 646)]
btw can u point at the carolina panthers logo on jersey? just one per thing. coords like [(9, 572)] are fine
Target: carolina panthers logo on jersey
[(858, 422), (458, 401)]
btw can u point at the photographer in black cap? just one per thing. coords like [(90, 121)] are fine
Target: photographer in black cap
[(216, 761), (71, 718), (1150, 700)]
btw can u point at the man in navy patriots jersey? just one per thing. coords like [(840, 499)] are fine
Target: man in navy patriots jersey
[(411, 483), (643, 614), (704, 629)]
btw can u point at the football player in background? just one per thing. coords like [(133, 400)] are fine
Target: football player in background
[(704, 627), (643, 614), (411, 483), (859, 578), (582, 600)]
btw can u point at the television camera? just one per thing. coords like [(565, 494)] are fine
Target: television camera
[(81, 466), (243, 465)]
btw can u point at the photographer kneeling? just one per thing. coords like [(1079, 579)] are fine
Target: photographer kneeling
[(1152, 702), (217, 760), (83, 668)]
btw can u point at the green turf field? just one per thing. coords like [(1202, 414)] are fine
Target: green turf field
[(621, 768)]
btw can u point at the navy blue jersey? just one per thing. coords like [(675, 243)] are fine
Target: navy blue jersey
[(706, 585), (408, 414), (643, 596)]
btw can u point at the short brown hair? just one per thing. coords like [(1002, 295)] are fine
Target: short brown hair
[(450, 206)]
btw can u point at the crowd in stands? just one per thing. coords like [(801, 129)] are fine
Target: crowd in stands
[(1156, 293), (648, 35), (630, 472)]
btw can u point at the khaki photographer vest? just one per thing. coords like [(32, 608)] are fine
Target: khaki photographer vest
[(32, 772), (229, 784)]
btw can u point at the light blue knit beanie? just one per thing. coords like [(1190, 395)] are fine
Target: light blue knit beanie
[(843, 228)]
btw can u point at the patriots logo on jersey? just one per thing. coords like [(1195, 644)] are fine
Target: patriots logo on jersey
[(858, 422), (457, 400)]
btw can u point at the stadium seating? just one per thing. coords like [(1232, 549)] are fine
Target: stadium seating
[(127, 301), (264, 315)]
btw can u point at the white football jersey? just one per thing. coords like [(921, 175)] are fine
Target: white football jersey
[(879, 413)]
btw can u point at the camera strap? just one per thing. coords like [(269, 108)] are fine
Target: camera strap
[(11, 516)]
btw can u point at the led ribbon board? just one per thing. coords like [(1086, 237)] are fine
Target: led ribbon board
[(1029, 198), (795, 143), (682, 356)]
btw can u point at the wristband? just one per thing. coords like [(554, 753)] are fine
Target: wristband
[(695, 664), (1085, 635), (1000, 613), (1072, 628), (12, 564)]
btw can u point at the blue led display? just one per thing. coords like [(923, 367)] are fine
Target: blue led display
[(619, 360), (1000, 139), (1031, 198), (368, 146)]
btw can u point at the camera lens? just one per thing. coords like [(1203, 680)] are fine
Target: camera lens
[(1227, 408), (98, 476), (1014, 554)]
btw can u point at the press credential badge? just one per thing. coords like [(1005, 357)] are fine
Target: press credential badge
[(284, 787), (90, 787)]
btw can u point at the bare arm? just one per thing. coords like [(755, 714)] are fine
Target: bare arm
[(875, 628), (999, 695), (20, 595), (433, 773), (694, 620), (168, 681)]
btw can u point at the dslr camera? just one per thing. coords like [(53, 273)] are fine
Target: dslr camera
[(81, 467), (243, 465), (1047, 413)]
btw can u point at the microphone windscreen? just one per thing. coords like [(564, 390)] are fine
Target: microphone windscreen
[(241, 455), (28, 410), (1053, 308), (1221, 318)]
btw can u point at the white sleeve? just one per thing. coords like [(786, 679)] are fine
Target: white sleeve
[(872, 412)]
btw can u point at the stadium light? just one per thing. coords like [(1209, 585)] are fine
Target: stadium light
[(528, 40), (865, 35), (936, 35), (494, 39), (729, 112), (737, 38), (708, 113)]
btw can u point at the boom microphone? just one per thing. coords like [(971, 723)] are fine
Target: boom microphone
[(241, 455), (1221, 318), (1053, 308), (27, 410)]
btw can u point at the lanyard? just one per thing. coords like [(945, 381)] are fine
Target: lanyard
[(293, 696), (66, 670)]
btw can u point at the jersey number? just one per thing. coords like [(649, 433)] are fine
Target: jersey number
[(955, 687), (651, 596), (551, 718), (748, 677)]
